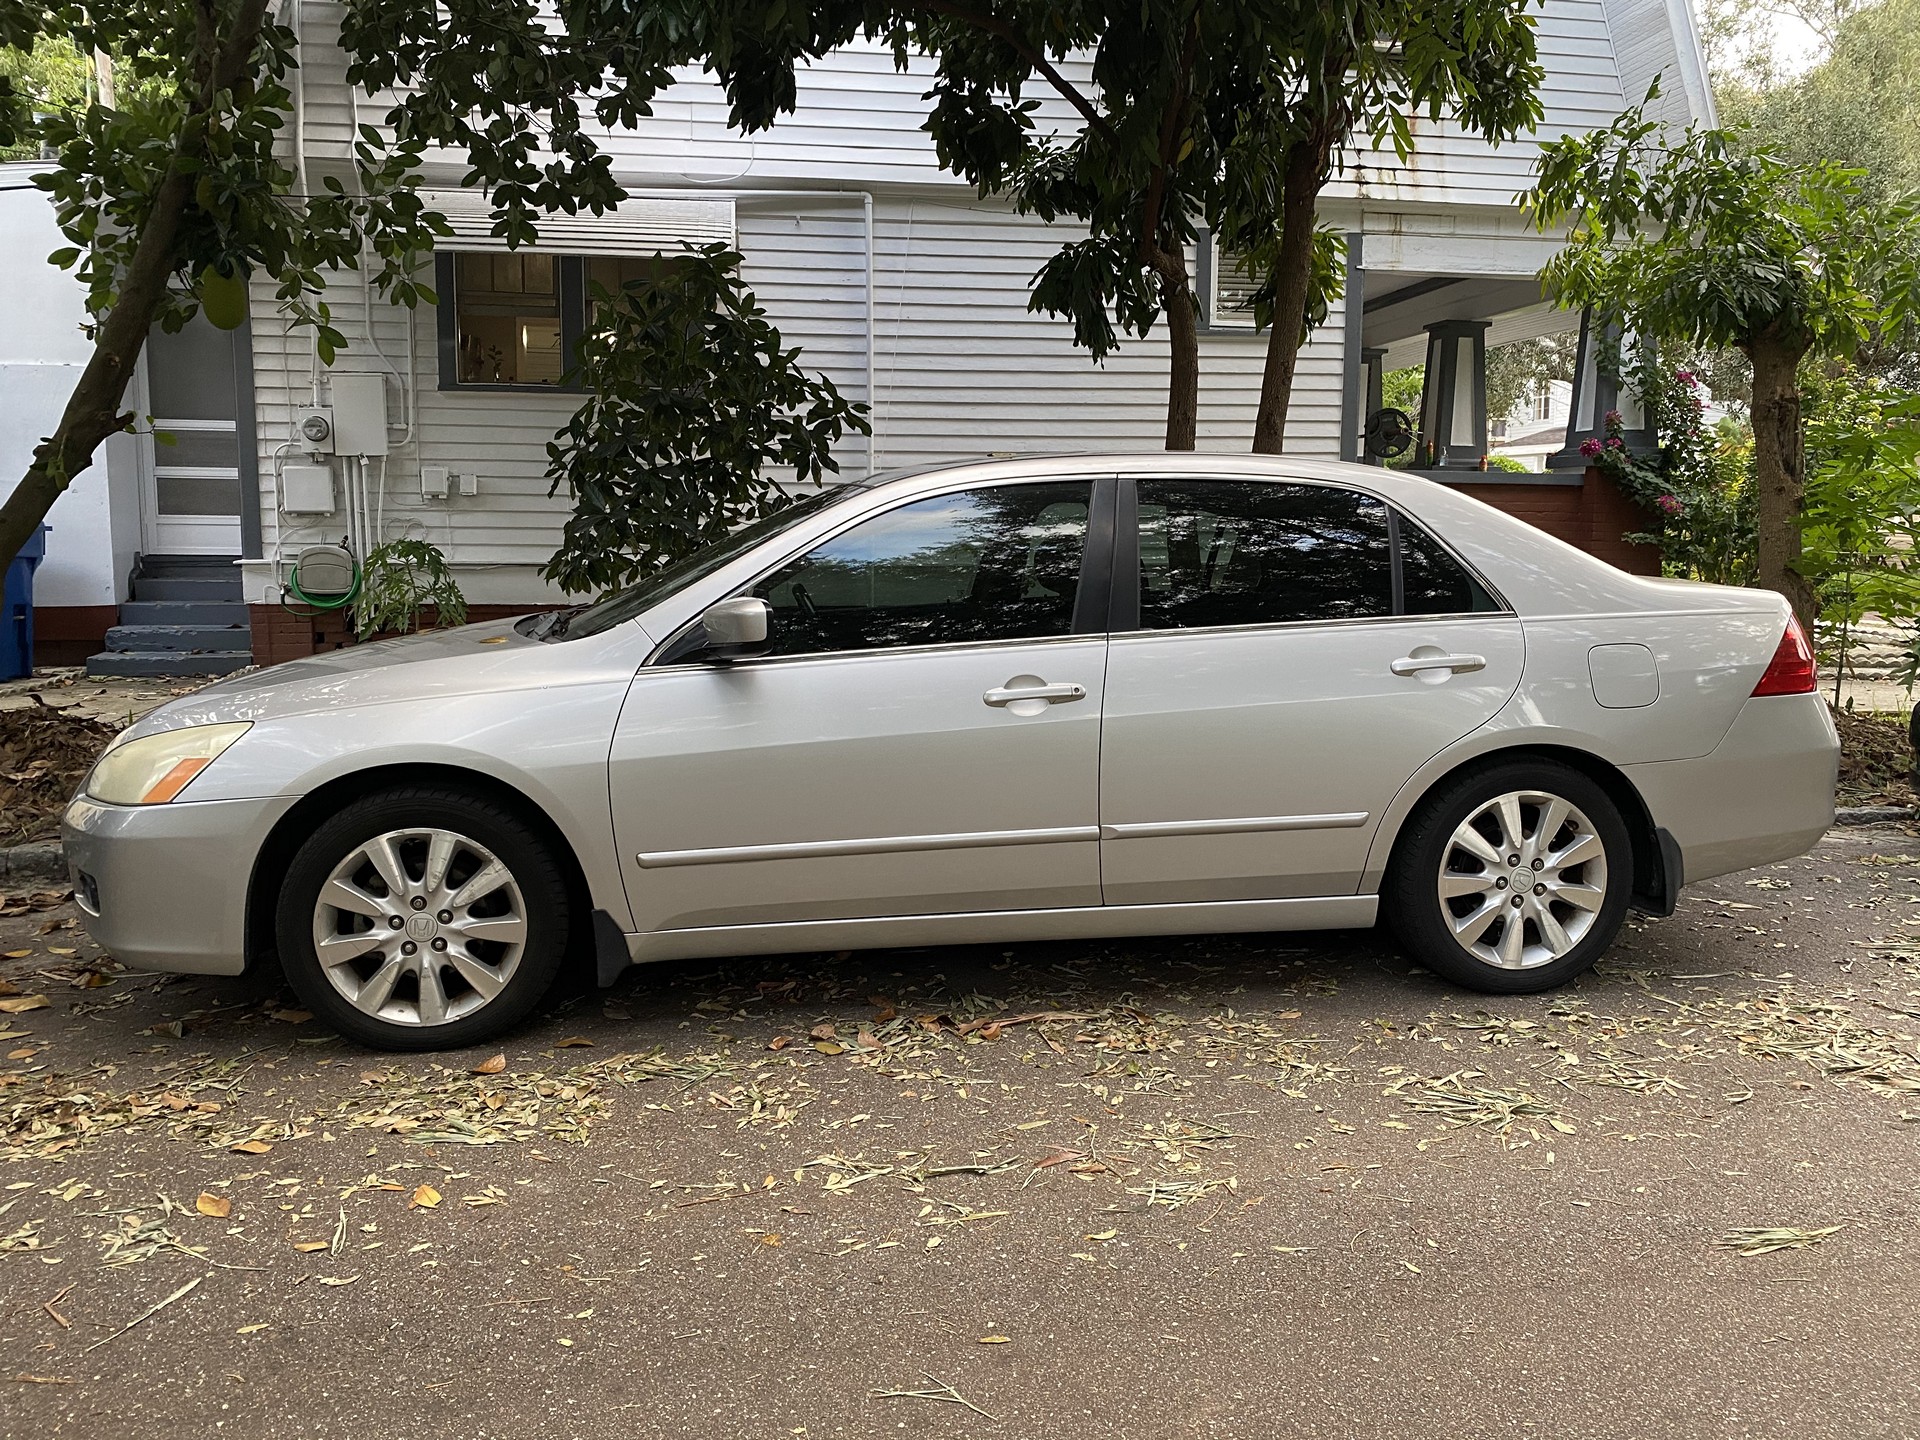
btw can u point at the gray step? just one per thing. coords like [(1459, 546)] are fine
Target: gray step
[(188, 567), (183, 612), (224, 638), (167, 662), (225, 587)]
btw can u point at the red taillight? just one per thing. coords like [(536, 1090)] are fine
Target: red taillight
[(1790, 672)]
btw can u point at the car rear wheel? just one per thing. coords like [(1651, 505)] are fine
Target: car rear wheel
[(1511, 879), (422, 919)]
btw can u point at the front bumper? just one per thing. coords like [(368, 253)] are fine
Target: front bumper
[(164, 887), (1764, 793)]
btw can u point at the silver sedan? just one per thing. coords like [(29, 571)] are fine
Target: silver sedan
[(1023, 700)]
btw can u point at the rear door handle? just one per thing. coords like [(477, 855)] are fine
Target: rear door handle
[(1458, 664), (1052, 694)]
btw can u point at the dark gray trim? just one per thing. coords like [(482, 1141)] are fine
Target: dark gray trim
[(1410, 292), (246, 437), (1447, 341), (1353, 410), (1094, 594), (1606, 396), (571, 276), (446, 326)]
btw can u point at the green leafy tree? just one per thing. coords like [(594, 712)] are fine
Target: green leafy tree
[(691, 398), (1708, 239), (173, 198), (1329, 72)]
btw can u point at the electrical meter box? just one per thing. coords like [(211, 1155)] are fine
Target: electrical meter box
[(359, 415), (306, 490)]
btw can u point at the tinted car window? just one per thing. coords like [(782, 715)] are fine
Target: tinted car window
[(998, 563), (1224, 552), (1436, 583)]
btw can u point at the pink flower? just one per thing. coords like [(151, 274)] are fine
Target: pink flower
[(1613, 417), (1616, 443), (1590, 447), (1685, 377), (1669, 504)]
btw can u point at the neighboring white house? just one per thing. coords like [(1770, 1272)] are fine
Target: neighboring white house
[(892, 278)]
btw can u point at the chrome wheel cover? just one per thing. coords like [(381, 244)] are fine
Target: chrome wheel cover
[(1522, 880), (419, 927)]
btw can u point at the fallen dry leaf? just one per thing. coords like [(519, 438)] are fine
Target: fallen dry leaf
[(492, 1066), (19, 1005), (293, 1017), (218, 1206), (308, 1247), (425, 1197), (571, 1042), (996, 1340), (252, 1147)]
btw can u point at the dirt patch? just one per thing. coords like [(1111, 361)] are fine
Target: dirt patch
[(1876, 759), (44, 754)]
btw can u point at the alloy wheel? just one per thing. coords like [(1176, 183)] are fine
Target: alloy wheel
[(1522, 880), (419, 926)]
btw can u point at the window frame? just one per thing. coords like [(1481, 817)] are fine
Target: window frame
[(570, 276), (1124, 607), (1091, 605)]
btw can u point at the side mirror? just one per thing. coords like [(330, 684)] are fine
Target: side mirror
[(736, 628)]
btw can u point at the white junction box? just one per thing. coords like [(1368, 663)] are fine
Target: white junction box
[(306, 490), (359, 415), (469, 482), (433, 482)]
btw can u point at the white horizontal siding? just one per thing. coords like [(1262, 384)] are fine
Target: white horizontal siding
[(859, 120), (962, 369)]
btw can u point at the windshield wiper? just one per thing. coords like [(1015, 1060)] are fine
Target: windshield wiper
[(553, 625)]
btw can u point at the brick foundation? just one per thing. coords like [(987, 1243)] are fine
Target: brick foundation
[(1591, 516), (281, 634)]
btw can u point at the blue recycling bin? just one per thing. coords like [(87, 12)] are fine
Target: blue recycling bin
[(16, 613)]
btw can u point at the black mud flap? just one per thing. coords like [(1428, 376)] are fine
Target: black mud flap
[(609, 948), (1663, 893)]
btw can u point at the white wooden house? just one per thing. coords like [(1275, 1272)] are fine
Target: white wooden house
[(892, 277)]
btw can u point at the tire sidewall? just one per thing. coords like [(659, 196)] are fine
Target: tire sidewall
[(1413, 909), (542, 887)]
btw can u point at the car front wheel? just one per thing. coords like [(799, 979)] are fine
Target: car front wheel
[(1511, 879), (422, 919)]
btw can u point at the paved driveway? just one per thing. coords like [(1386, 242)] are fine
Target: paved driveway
[(1251, 1187)]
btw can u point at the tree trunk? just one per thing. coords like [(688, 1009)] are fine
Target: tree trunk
[(1780, 471), (1305, 168), (1183, 355), (92, 412)]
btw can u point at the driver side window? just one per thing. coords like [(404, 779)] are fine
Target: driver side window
[(997, 563)]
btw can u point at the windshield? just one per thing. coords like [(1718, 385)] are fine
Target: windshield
[(623, 605)]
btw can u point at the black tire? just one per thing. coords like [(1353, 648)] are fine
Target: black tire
[(1424, 923), (538, 898)]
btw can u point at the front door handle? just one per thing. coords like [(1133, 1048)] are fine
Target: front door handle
[(1002, 695), (1458, 664)]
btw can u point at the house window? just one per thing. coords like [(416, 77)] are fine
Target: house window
[(513, 321), (1229, 287)]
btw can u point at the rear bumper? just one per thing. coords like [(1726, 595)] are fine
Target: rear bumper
[(1764, 793), (164, 887)]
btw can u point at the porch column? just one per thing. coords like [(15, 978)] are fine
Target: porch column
[(1453, 405), (1373, 380), (1597, 390)]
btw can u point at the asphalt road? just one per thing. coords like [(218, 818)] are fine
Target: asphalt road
[(1254, 1187)]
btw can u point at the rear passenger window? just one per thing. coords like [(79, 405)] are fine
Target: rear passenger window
[(1434, 582), (1225, 552)]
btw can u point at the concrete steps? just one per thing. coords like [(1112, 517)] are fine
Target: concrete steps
[(186, 617)]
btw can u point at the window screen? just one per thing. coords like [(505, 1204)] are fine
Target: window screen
[(1223, 552), (998, 563)]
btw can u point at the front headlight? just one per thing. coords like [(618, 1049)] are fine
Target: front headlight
[(155, 768)]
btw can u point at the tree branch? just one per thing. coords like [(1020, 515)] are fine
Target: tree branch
[(993, 25)]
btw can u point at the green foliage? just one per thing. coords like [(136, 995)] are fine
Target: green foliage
[(1517, 370), (1707, 238), (691, 398), (1698, 487), (48, 75), (242, 212), (1506, 464), (400, 580), (1862, 534)]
